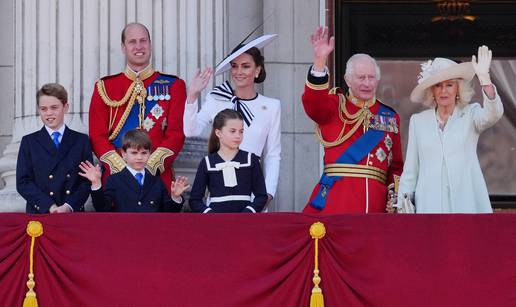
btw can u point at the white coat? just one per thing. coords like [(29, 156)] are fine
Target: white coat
[(442, 169)]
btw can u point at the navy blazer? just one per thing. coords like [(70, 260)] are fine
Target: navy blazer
[(46, 175), (123, 193)]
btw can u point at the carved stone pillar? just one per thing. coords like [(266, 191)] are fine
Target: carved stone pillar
[(76, 42)]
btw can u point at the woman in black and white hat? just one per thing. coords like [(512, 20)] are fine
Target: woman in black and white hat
[(262, 115), (441, 165)]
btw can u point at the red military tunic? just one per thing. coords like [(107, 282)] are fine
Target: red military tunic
[(109, 115), (365, 190)]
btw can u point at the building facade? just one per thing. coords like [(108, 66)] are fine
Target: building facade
[(76, 42)]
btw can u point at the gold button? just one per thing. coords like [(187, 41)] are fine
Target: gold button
[(152, 202), (67, 175), (139, 203), (51, 193), (67, 192), (370, 162), (370, 155), (50, 177)]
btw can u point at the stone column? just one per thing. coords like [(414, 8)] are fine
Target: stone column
[(287, 62), (76, 42)]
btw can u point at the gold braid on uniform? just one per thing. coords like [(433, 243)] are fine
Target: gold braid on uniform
[(136, 92), (113, 159), (357, 119), (157, 160)]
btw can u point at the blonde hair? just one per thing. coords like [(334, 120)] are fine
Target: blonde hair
[(465, 92)]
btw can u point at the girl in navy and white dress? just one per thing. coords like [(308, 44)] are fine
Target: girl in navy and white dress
[(232, 176)]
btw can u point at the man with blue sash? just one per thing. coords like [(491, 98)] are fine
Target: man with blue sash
[(360, 135), (140, 98)]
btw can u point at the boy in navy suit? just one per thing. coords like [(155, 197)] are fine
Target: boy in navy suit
[(134, 189), (48, 160)]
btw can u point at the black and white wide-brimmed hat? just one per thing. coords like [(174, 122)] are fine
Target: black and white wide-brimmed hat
[(258, 42)]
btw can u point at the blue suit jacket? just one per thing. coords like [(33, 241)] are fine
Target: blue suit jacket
[(122, 193), (46, 175)]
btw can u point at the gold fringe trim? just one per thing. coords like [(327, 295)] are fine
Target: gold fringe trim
[(157, 160), (317, 232), (34, 230), (113, 159)]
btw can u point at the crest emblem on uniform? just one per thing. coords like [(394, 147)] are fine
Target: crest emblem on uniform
[(148, 123), (157, 111), (388, 142), (380, 154)]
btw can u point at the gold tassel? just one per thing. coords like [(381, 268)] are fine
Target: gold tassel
[(317, 231), (34, 230)]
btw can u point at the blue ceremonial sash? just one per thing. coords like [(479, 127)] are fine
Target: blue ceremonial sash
[(132, 121), (352, 155)]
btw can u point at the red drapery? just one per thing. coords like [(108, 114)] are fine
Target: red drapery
[(260, 260)]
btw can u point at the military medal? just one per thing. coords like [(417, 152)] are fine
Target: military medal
[(161, 96), (156, 96), (149, 97), (167, 96)]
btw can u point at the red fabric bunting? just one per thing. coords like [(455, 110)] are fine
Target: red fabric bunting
[(228, 260)]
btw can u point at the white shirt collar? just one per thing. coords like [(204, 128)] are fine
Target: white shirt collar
[(60, 130), (134, 172)]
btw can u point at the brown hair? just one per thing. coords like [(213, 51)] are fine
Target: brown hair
[(136, 138), (259, 61), (218, 122), (134, 24), (53, 89)]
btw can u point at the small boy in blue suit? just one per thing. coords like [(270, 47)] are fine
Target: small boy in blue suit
[(47, 171), (134, 189)]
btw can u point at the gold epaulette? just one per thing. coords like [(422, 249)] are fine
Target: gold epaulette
[(113, 159), (157, 160)]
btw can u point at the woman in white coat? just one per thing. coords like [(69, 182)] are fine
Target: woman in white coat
[(262, 115), (442, 172)]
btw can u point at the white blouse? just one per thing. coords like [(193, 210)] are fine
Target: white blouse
[(262, 137)]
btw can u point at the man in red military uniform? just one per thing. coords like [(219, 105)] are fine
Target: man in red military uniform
[(140, 98), (360, 135)]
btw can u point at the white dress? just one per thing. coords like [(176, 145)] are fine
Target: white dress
[(262, 137), (442, 167)]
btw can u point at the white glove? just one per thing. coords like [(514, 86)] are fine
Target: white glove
[(482, 66), (406, 205)]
